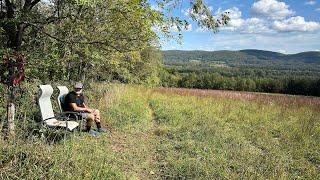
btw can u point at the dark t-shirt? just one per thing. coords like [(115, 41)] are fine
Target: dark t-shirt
[(72, 97)]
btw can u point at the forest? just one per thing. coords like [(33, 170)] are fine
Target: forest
[(246, 70)]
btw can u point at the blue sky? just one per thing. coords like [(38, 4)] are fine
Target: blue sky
[(286, 26)]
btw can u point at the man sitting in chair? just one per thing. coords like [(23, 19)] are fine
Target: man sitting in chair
[(75, 102)]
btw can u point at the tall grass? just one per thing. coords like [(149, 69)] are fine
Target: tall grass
[(106, 156), (171, 134), (205, 137)]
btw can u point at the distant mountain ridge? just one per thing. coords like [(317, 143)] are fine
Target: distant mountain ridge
[(249, 55)]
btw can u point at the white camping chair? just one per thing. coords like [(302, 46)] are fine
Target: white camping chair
[(63, 91), (50, 119)]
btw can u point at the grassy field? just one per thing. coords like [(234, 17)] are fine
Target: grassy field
[(161, 133)]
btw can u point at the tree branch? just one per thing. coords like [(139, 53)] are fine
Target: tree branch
[(9, 7), (28, 4), (75, 42), (33, 3)]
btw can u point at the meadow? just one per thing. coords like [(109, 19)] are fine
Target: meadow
[(172, 133)]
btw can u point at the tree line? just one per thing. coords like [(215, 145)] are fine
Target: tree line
[(309, 86)]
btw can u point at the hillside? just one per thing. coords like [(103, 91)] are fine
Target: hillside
[(307, 61)]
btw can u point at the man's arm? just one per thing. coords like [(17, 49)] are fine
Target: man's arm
[(77, 108), (85, 105)]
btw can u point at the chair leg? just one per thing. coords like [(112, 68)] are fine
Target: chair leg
[(65, 135), (80, 128)]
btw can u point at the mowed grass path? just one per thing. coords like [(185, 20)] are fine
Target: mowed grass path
[(161, 133)]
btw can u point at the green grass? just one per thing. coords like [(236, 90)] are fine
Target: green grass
[(169, 136), (206, 138)]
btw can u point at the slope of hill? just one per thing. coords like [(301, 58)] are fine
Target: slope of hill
[(263, 55), (245, 59), (307, 57)]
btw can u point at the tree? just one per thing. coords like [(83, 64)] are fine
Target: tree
[(75, 39), (18, 17), (12, 69)]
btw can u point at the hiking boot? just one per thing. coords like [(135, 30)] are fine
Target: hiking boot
[(93, 132), (103, 130)]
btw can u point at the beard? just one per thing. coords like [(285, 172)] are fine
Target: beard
[(78, 92)]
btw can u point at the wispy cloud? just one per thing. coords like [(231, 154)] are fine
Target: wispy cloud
[(286, 43), (186, 12), (201, 29), (311, 3)]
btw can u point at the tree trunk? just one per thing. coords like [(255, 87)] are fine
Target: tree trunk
[(10, 113), (14, 34), (14, 30)]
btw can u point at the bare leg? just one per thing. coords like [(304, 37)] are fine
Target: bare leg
[(96, 114), (90, 119)]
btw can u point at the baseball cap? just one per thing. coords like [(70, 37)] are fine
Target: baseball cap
[(78, 85)]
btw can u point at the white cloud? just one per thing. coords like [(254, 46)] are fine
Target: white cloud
[(296, 24), (311, 3), (271, 8), (236, 23), (172, 29), (318, 9), (186, 12), (285, 43), (251, 26), (155, 7), (233, 13), (265, 25), (189, 11), (282, 51), (201, 29)]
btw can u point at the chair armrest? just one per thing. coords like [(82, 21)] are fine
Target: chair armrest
[(58, 116), (69, 112), (49, 118), (66, 114)]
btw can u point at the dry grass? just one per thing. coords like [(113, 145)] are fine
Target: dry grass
[(173, 133), (289, 100)]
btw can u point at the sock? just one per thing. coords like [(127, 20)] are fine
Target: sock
[(88, 128), (98, 125)]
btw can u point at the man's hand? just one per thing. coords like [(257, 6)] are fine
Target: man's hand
[(89, 110)]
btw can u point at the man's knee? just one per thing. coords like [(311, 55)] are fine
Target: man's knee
[(90, 117), (89, 122)]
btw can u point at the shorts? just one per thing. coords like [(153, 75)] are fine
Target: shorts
[(84, 115)]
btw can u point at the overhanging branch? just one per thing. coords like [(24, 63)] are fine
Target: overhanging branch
[(74, 42), (33, 3)]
